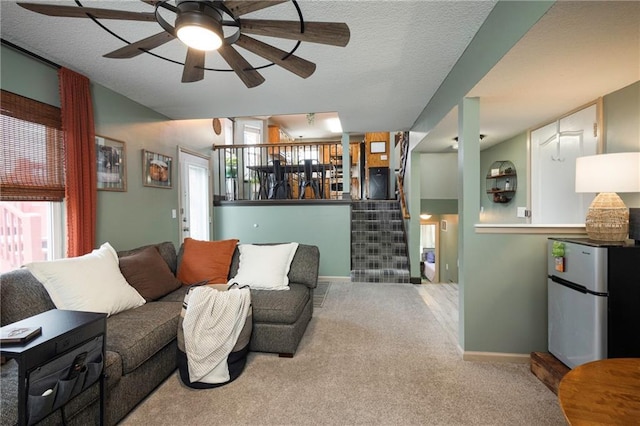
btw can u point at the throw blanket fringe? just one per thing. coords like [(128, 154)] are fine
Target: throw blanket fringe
[(212, 323)]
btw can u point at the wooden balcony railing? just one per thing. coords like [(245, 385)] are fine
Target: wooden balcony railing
[(403, 200), (271, 171), (20, 237)]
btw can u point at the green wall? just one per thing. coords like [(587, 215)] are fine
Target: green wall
[(27, 77), (143, 215), (514, 150), (439, 206), (448, 262), (503, 289), (326, 226), (622, 126)]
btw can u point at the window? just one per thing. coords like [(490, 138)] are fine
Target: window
[(31, 182)]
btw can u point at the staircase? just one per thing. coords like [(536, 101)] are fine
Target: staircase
[(378, 243)]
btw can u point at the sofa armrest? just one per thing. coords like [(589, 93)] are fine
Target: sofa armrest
[(305, 265), (22, 296)]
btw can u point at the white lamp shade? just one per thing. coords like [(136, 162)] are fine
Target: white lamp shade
[(618, 172)]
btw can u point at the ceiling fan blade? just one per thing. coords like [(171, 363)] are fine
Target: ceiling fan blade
[(298, 66), (250, 77), (242, 7), (193, 66), (332, 33), (162, 4), (82, 12), (135, 49)]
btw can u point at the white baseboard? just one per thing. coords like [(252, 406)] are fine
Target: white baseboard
[(495, 357), (330, 278)]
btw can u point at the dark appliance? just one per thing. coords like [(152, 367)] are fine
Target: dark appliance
[(378, 183)]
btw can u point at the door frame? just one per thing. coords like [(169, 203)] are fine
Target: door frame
[(181, 152)]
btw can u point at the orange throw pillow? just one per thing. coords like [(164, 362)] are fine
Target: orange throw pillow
[(205, 261)]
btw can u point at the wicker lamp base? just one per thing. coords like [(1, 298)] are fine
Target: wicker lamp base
[(607, 218)]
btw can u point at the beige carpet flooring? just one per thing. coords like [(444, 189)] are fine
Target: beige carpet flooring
[(373, 354)]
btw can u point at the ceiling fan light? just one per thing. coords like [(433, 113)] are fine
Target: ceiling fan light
[(198, 25), (198, 37)]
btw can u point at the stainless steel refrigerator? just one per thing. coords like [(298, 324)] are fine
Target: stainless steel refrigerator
[(593, 301)]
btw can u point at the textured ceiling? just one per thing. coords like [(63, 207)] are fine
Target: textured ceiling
[(578, 52), (399, 53)]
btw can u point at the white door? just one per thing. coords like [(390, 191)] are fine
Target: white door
[(195, 196), (554, 149)]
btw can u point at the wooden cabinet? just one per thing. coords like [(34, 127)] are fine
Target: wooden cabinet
[(277, 135)]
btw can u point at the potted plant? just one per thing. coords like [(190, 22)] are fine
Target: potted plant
[(231, 175)]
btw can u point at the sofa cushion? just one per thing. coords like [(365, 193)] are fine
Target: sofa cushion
[(92, 282), (167, 250), (148, 273), (137, 334), (205, 262), (265, 267), (304, 266), (280, 307), (176, 295)]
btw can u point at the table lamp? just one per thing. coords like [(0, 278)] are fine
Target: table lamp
[(608, 218)]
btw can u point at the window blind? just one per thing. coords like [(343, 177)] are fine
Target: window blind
[(32, 150)]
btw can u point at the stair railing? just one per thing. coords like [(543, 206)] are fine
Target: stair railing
[(403, 200)]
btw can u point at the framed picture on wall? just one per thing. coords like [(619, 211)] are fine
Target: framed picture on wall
[(156, 169), (443, 225), (378, 147), (111, 161)]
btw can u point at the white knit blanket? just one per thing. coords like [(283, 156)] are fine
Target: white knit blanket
[(212, 323)]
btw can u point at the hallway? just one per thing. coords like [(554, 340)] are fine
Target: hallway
[(442, 299)]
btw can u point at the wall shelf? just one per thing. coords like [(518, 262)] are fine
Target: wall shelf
[(501, 182)]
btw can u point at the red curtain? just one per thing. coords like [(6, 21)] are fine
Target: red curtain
[(81, 192)]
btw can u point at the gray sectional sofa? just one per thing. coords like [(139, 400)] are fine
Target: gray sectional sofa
[(141, 343)]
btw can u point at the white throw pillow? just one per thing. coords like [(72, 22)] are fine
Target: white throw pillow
[(92, 282), (265, 267)]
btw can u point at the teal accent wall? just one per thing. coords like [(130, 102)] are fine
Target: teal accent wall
[(514, 150), (325, 226)]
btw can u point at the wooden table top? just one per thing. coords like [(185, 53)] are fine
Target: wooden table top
[(602, 392)]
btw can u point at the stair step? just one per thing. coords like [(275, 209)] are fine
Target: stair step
[(378, 246), (380, 275), (377, 237), (382, 215), (376, 225), (376, 205), (397, 262), (392, 249)]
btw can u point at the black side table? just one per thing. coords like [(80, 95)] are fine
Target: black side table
[(44, 363)]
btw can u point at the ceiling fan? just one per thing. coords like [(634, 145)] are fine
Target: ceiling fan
[(204, 25)]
